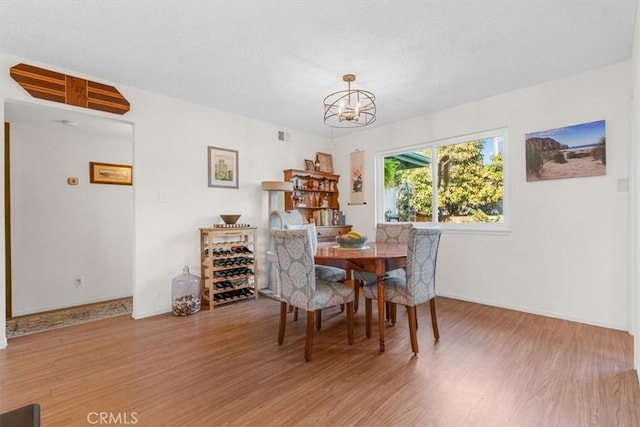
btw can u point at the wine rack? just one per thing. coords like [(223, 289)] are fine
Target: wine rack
[(228, 268)]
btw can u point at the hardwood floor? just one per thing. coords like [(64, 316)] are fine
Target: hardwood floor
[(492, 367)]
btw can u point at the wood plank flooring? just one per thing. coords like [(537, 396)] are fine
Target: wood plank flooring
[(492, 367)]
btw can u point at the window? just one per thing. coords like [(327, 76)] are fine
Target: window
[(458, 182)]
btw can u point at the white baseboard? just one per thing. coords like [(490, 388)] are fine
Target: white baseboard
[(533, 311), (137, 315)]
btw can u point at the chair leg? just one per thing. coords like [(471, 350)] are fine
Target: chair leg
[(295, 314), (387, 310), (311, 314), (411, 314), (290, 308), (350, 322), (434, 320), (356, 295), (393, 309), (283, 322), (318, 320), (367, 315)]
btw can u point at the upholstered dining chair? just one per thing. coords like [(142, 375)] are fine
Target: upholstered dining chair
[(416, 287), (293, 220), (300, 288), (397, 232), (325, 272)]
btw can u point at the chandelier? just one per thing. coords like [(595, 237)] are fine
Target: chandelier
[(350, 108)]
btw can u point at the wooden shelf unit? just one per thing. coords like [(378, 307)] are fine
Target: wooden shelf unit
[(315, 196), (228, 267)]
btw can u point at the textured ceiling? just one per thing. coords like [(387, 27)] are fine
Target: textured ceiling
[(277, 60)]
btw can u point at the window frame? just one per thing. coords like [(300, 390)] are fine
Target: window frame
[(474, 227)]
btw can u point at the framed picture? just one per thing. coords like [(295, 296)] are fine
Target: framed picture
[(567, 152), (223, 167), (326, 162), (309, 165), (110, 173)]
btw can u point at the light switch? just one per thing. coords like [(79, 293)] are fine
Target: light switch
[(163, 197), (622, 185)]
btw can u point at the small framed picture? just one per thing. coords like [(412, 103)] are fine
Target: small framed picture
[(308, 165), (110, 173), (326, 162), (223, 167)]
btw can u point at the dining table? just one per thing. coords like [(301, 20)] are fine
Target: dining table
[(374, 257)]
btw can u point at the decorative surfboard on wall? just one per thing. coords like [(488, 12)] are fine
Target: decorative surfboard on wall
[(58, 87)]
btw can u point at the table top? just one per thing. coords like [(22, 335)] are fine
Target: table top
[(372, 250)]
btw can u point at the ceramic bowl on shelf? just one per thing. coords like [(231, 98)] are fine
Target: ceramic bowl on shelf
[(230, 219), (351, 242)]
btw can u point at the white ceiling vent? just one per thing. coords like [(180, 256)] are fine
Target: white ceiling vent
[(284, 136)]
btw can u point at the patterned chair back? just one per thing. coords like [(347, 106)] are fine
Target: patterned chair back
[(393, 232), (422, 254), (279, 219), (296, 267), (396, 232)]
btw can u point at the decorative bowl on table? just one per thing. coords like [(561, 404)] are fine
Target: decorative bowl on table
[(351, 240), (230, 219)]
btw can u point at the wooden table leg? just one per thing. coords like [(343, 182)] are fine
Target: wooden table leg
[(381, 322)]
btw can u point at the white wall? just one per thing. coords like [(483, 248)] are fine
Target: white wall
[(566, 255), (59, 231), (3, 265), (170, 156), (634, 188)]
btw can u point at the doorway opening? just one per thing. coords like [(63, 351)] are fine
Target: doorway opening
[(68, 242)]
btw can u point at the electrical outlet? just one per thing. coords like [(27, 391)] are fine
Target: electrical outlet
[(79, 282)]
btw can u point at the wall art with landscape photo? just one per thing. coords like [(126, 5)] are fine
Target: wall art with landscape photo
[(567, 152)]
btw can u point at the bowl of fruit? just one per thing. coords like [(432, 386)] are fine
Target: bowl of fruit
[(352, 240)]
